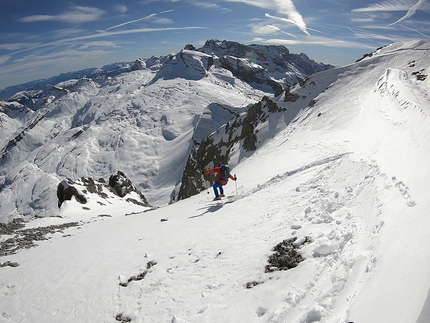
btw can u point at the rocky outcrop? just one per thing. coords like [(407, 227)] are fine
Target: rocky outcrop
[(248, 72), (27, 238), (119, 184), (139, 64), (270, 65), (217, 147), (123, 186), (286, 254), (18, 137), (65, 192)]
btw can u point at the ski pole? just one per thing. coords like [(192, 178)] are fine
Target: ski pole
[(207, 186), (206, 183), (235, 182)]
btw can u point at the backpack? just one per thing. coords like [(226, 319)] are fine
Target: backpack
[(225, 172)]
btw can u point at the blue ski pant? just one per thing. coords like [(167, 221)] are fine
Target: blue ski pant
[(218, 186)]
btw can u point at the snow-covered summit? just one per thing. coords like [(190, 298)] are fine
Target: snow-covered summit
[(275, 62)]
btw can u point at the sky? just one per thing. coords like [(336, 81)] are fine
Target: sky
[(39, 39)]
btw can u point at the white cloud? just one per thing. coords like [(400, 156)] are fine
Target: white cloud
[(67, 32), (76, 14), (99, 44), (284, 7), (17, 46), (104, 34), (288, 8), (256, 3), (36, 18), (4, 59), (146, 2), (280, 19), (75, 41), (265, 30), (64, 58), (314, 40), (38, 58), (370, 17), (392, 5), (209, 6), (120, 8), (163, 21), (269, 29)]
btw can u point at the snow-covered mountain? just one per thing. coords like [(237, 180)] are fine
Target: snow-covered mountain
[(37, 86), (333, 185), (143, 122)]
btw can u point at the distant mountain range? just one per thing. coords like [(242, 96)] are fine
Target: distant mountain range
[(275, 60), (109, 70)]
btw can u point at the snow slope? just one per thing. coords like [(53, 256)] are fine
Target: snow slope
[(351, 172)]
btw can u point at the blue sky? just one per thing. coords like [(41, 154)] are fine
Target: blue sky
[(44, 38)]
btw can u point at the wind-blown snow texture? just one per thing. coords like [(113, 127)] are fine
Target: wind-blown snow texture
[(351, 172)]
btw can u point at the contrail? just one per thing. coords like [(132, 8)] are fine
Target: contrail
[(418, 32), (132, 21), (360, 35), (288, 8), (410, 12)]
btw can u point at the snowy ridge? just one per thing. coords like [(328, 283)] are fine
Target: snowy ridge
[(348, 174), (289, 173), (396, 83)]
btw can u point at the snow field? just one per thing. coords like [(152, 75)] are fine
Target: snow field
[(202, 277)]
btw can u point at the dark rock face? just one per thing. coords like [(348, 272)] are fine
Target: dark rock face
[(139, 64), (286, 255), (257, 63), (13, 142), (122, 186), (247, 73), (119, 184), (214, 150), (189, 47), (65, 191)]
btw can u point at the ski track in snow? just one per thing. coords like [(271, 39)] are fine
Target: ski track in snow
[(326, 203), (188, 284), (341, 227), (342, 214)]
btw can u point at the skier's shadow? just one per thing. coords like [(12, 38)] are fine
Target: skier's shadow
[(210, 209)]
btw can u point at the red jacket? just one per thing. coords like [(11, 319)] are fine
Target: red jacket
[(217, 170)]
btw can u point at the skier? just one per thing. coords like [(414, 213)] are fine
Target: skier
[(223, 175)]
